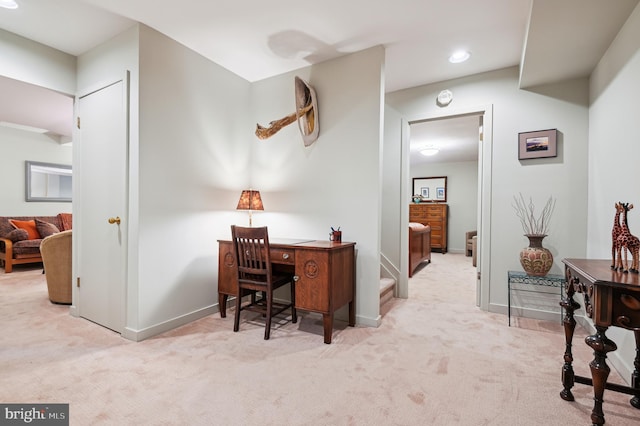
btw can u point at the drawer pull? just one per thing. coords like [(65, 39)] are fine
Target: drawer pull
[(285, 256), (296, 278)]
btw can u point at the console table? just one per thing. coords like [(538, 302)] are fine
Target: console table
[(519, 277), (611, 298), (324, 275)]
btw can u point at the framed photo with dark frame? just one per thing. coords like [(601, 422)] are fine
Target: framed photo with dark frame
[(538, 144), (430, 189)]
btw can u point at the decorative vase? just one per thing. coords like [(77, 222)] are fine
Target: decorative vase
[(535, 259)]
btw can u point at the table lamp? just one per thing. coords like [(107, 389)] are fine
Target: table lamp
[(250, 200)]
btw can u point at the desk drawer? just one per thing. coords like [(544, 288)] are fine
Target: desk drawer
[(283, 256)]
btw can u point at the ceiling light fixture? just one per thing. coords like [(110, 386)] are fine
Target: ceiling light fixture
[(459, 56), (429, 151), (8, 4)]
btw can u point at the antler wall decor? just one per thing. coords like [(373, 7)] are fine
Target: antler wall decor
[(306, 115)]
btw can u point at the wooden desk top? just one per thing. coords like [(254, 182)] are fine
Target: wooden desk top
[(304, 243), (599, 272)]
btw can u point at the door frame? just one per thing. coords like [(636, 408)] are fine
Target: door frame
[(484, 197)]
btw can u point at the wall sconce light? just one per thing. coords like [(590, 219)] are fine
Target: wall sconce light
[(250, 200)]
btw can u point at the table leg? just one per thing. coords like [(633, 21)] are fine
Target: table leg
[(568, 376), (600, 344), (635, 376), (222, 302), (509, 299), (327, 320)]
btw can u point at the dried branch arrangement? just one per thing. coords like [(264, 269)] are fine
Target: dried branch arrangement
[(531, 224)]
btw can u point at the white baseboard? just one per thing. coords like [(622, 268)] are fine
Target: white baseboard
[(139, 335), (369, 322)]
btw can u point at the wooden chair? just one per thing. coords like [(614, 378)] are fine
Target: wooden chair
[(255, 275)]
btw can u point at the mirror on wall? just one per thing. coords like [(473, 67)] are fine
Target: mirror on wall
[(430, 189), (48, 181)]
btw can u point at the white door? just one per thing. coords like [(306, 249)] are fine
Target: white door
[(102, 173)]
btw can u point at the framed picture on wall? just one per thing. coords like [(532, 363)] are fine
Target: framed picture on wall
[(430, 189), (538, 144)]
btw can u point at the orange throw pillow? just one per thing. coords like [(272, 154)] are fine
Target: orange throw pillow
[(27, 225), (65, 220)]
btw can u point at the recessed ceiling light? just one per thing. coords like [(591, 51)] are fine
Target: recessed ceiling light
[(8, 4), (459, 56), (429, 151)]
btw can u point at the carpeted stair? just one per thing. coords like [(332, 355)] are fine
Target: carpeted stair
[(387, 286)]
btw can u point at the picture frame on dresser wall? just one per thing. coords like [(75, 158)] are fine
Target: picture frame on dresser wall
[(431, 189), (538, 144)]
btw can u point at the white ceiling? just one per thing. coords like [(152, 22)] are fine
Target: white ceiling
[(552, 40), (456, 139)]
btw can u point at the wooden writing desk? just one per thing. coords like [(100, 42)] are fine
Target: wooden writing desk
[(324, 271), (611, 298)]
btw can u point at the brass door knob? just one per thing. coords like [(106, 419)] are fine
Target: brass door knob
[(113, 220)]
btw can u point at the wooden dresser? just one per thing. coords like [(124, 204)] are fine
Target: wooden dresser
[(434, 215)]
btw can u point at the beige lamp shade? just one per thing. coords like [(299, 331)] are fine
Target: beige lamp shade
[(250, 200)]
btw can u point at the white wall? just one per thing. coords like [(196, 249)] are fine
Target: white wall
[(18, 146), (195, 130), (391, 229), (102, 65), (31, 62), (34, 63), (462, 198), (336, 181), (186, 159), (562, 106), (614, 150)]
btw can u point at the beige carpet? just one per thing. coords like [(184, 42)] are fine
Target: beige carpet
[(436, 360)]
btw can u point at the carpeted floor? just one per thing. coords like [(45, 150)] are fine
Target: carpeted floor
[(435, 360)]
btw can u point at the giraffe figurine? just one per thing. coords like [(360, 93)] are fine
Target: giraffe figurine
[(615, 233), (627, 242)]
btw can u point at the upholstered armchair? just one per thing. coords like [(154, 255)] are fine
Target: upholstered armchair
[(56, 257), (469, 241)]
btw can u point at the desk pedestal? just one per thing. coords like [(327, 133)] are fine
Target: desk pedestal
[(324, 277)]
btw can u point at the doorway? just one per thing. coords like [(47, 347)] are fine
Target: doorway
[(483, 154)]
